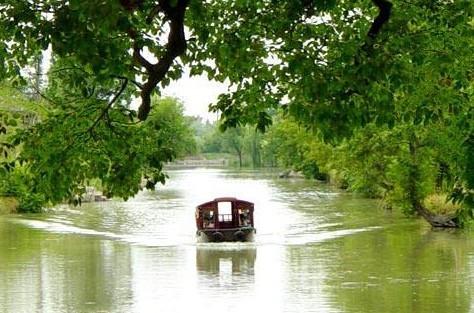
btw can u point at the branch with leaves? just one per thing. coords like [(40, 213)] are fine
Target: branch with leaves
[(175, 47)]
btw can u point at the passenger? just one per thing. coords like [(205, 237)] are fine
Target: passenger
[(207, 219), (243, 219)]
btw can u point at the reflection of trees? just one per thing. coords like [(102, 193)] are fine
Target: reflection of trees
[(50, 272), (401, 271), (209, 260)]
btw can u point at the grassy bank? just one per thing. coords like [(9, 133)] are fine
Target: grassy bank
[(8, 205)]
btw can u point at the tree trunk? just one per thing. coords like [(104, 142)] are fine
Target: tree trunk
[(437, 220), (256, 159)]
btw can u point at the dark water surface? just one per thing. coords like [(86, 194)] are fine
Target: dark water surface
[(316, 250)]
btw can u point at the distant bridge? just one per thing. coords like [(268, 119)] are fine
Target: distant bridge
[(198, 163)]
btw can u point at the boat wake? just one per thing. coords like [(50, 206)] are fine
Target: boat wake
[(325, 235), (151, 240), (161, 240)]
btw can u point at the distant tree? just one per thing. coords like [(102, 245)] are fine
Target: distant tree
[(233, 142), (173, 129), (254, 143), (292, 146)]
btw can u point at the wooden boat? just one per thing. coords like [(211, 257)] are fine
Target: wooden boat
[(225, 219)]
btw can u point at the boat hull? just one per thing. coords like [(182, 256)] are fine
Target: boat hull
[(242, 234)]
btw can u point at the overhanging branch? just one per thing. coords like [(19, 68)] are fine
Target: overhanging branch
[(109, 105), (175, 47), (385, 9)]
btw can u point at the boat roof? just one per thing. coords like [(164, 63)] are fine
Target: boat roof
[(225, 199)]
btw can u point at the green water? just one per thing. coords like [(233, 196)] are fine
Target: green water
[(316, 250)]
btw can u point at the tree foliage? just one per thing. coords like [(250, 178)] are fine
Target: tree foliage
[(59, 157), (266, 46), (294, 147), (338, 63)]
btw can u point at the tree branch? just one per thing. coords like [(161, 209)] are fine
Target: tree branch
[(154, 12), (109, 105), (175, 47), (138, 58), (139, 85), (385, 9)]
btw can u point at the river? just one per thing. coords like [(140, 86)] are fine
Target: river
[(317, 249)]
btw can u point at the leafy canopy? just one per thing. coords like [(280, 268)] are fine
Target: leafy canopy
[(263, 48)]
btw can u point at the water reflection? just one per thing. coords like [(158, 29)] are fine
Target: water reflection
[(402, 270), (212, 260), (48, 272)]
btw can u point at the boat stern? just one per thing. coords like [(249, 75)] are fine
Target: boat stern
[(242, 234)]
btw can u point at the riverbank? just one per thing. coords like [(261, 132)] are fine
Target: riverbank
[(8, 205)]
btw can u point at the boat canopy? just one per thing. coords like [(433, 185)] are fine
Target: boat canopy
[(223, 213)]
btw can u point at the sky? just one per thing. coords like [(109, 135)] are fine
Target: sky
[(196, 93)]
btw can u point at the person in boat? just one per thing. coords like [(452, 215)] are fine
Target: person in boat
[(208, 218), (244, 219)]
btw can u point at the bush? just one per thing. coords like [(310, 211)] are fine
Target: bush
[(8, 205), (439, 204), (16, 184), (30, 203)]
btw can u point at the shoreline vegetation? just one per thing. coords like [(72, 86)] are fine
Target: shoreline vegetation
[(434, 203), (437, 206), (8, 205)]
